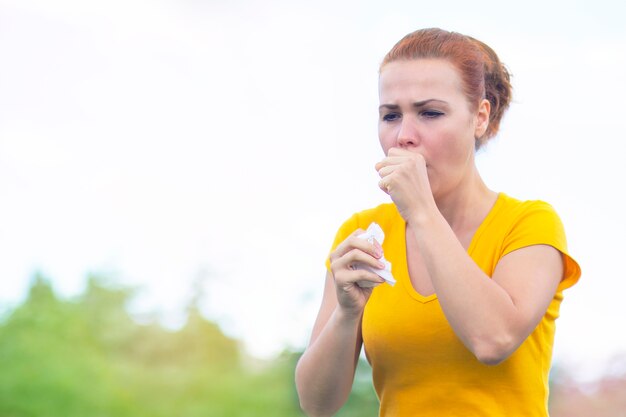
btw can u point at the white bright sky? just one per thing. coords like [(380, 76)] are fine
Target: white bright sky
[(159, 140)]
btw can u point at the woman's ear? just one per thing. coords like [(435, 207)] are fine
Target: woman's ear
[(482, 118)]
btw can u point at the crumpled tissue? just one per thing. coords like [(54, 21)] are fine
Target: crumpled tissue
[(374, 231)]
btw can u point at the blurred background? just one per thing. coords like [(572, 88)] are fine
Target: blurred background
[(172, 174)]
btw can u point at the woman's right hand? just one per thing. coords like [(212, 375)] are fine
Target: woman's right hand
[(354, 286)]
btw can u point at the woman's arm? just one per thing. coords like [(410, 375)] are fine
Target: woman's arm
[(325, 372), (491, 316)]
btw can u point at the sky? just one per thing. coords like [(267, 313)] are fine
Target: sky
[(168, 143)]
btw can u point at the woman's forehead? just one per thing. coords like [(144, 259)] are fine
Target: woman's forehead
[(419, 78)]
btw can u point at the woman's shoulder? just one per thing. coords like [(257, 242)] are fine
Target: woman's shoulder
[(512, 217), (385, 215), (384, 209), (515, 208), (530, 222), (381, 214)]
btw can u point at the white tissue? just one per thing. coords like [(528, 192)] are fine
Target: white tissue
[(374, 231)]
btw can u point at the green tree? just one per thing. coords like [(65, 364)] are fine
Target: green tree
[(87, 357)]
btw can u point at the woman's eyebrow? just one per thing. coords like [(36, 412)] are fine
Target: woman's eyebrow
[(430, 100), (416, 104), (388, 106)]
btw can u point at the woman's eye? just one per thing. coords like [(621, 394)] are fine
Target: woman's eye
[(431, 114), (391, 117)]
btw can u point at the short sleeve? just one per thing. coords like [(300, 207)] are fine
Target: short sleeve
[(539, 224)]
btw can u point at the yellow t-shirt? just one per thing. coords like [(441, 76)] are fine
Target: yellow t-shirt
[(420, 367)]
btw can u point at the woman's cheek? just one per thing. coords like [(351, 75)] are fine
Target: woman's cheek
[(452, 147), (386, 138)]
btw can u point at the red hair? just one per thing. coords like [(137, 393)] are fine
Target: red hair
[(482, 73)]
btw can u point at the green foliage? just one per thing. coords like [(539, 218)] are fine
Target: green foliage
[(88, 358)]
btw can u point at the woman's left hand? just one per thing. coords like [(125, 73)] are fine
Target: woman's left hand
[(404, 176)]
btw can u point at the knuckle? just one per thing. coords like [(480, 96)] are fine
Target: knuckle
[(355, 254), (335, 267), (359, 255), (355, 239)]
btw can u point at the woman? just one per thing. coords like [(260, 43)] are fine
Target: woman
[(468, 328)]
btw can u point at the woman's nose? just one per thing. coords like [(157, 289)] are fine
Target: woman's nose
[(408, 136)]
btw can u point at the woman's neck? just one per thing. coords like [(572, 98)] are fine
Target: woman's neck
[(466, 206)]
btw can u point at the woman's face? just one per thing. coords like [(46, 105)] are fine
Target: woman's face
[(423, 109)]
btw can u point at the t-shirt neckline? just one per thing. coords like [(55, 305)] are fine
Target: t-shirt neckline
[(406, 278)]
